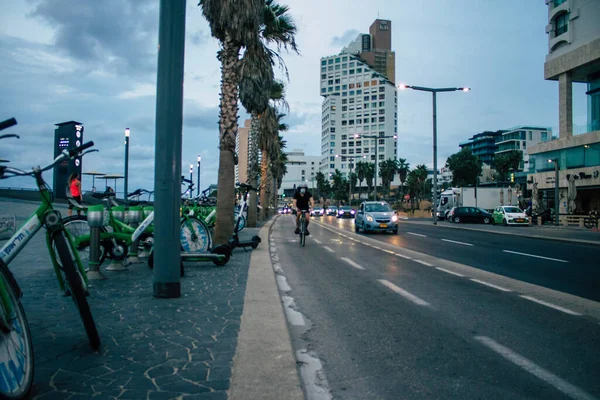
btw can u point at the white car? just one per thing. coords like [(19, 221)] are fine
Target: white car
[(510, 215)]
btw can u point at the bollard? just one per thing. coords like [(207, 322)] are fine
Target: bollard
[(134, 216), (95, 221)]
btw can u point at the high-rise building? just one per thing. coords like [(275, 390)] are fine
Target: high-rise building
[(301, 168), (573, 56), (359, 99), (242, 148), (483, 145)]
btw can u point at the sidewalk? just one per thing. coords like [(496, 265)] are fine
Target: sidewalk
[(548, 232), (151, 348)]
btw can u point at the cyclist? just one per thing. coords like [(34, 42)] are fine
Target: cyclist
[(303, 201)]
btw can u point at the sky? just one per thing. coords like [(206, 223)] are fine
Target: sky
[(95, 62)]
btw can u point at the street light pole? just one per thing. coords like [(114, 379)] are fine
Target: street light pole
[(434, 92), (127, 132), (198, 188), (376, 137), (191, 179)]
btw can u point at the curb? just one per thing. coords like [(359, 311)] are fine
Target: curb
[(264, 365), (556, 239)]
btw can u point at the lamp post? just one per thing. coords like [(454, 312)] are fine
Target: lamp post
[(556, 201), (198, 188), (350, 160), (127, 132), (377, 137), (191, 179), (434, 92)]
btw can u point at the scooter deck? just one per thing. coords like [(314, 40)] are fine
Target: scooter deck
[(202, 257)]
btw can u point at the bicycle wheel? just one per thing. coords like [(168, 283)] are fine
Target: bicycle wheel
[(78, 227), (242, 222), (588, 223), (195, 236), (76, 284), (16, 350)]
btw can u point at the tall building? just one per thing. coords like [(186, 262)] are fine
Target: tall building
[(573, 56), (300, 169), (484, 146), (242, 148), (521, 138), (359, 99)]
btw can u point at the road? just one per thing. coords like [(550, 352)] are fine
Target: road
[(562, 266), (389, 317)]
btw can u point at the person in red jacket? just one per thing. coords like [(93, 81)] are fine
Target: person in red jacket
[(75, 188)]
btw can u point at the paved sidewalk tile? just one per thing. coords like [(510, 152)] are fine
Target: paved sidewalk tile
[(151, 348)]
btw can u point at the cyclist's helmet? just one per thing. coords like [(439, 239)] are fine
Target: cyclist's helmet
[(303, 185)]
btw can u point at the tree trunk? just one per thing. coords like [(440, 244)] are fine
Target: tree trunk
[(264, 178), (252, 171), (228, 126)]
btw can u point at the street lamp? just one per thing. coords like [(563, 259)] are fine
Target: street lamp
[(351, 160), (556, 201), (126, 161), (198, 189), (434, 92), (191, 176), (377, 137)]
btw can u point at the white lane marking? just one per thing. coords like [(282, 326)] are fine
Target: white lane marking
[(416, 234), (313, 375), (491, 285), (454, 241), (559, 308), (533, 255), (529, 366), (409, 296), (355, 265), (378, 248), (403, 256), (329, 249), (424, 263), (282, 283), (273, 249), (449, 272), (293, 316), (388, 251), (317, 241)]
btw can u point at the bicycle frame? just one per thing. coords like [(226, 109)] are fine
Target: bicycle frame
[(33, 224)]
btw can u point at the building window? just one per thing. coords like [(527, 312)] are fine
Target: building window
[(530, 135), (344, 101), (382, 104), (331, 166), (330, 61), (359, 92), (330, 68), (351, 71), (337, 60), (381, 88), (381, 96), (381, 111), (366, 84), (558, 2), (358, 70), (382, 119), (323, 90), (351, 93), (561, 24), (323, 62)]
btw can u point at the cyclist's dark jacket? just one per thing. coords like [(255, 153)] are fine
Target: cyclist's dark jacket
[(302, 202)]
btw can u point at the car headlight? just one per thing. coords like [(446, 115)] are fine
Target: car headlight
[(352, 212), (340, 212), (394, 218), (369, 218)]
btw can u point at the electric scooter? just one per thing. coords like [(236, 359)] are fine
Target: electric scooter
[(235, 239)]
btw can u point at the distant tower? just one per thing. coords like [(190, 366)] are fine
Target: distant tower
[(67, 135)]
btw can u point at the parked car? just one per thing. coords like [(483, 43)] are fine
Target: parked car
[(471, 214), (510, 215), (332, 211), (376, 216), (317, 212), (345, 212)]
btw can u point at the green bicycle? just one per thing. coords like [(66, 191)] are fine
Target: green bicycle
[(16, 350)]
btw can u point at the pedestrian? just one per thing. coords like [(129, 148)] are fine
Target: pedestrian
[(75, 189)]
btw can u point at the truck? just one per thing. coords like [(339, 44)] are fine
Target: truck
[(487, 198)]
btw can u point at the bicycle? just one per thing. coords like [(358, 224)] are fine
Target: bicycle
[(591, 221), (16, 350), (303, 227)]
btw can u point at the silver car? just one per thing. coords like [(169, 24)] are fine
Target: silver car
[(376, 216)]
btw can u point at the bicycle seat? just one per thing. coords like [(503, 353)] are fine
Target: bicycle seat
[(103, 195)]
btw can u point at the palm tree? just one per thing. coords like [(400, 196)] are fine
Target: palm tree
[(257, 88), (236, 25), (421, 173), (270, 126), (369, 175), (387, 170), (403, 170), (360, 174)]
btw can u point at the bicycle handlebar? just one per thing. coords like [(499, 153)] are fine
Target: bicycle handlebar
[(65, 154), (8, 123), (9, 135)]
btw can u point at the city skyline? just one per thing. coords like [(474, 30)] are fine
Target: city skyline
[(85, 65)]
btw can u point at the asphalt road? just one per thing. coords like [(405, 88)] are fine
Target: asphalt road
[(388, 326), (566, 267)]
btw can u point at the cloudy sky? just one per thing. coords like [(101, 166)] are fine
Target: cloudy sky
[(94, 61)]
